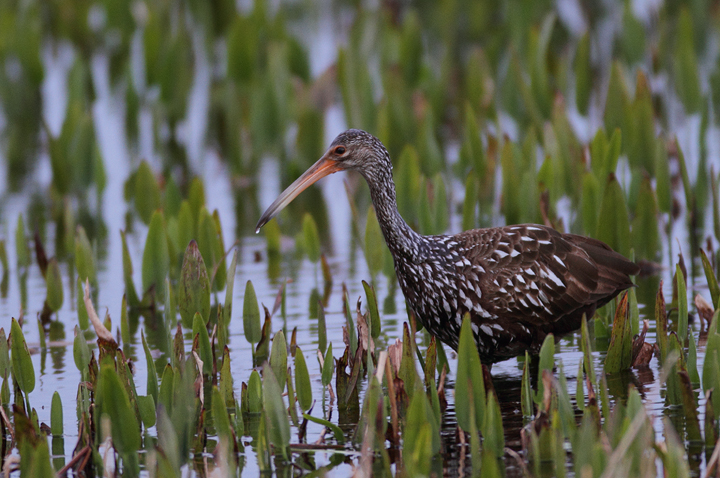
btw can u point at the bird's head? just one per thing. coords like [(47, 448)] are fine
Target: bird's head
[(351, 150)]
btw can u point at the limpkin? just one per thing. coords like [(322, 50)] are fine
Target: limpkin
[(518, 283)]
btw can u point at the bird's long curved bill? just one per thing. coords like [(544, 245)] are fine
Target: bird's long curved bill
[(319, 170)]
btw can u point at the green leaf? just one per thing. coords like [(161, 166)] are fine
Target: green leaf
[(311, 239), (470, 203), (146, 407), (547, 362), (56, 415), (147, 192), (420, 413), (220, 415), (22, 250), (152, 378), (303, 387), (81, 352), (645, 231), (84, 261), (711, 280), (374, 243), (130, 291), (3, 257), (685, 64), (229, 289), (408, 183), (526, 396), (619, 355), (613, 226), (617, 98), (583, 74), (682, 327), (112, 400), (372, 309), (590, 202), (206, 355), (226, 381), (687, 187), (276, 414), (53, 280), (156, 257), (493, 433), (194, 287), (337, 431), (271, 230), (469, 381), (83, 319), (22, 365), (322, 327), (4, 355), (254, 393), (251, 315), (278, 358), (328, 366), (586, 350)]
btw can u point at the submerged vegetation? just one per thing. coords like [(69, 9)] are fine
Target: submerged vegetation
[(114, 120)]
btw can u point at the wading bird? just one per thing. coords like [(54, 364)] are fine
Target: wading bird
[(517, 283)]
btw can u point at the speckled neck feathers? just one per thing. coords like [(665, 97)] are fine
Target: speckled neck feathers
[(400, 238)]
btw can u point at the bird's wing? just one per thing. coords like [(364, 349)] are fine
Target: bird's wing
[(537, 275)]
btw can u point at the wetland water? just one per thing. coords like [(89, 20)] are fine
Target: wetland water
[(238, 208)]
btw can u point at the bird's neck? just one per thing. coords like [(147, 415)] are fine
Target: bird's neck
[(399, 237)]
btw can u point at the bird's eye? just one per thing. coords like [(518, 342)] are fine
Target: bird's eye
[(340, 150)]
